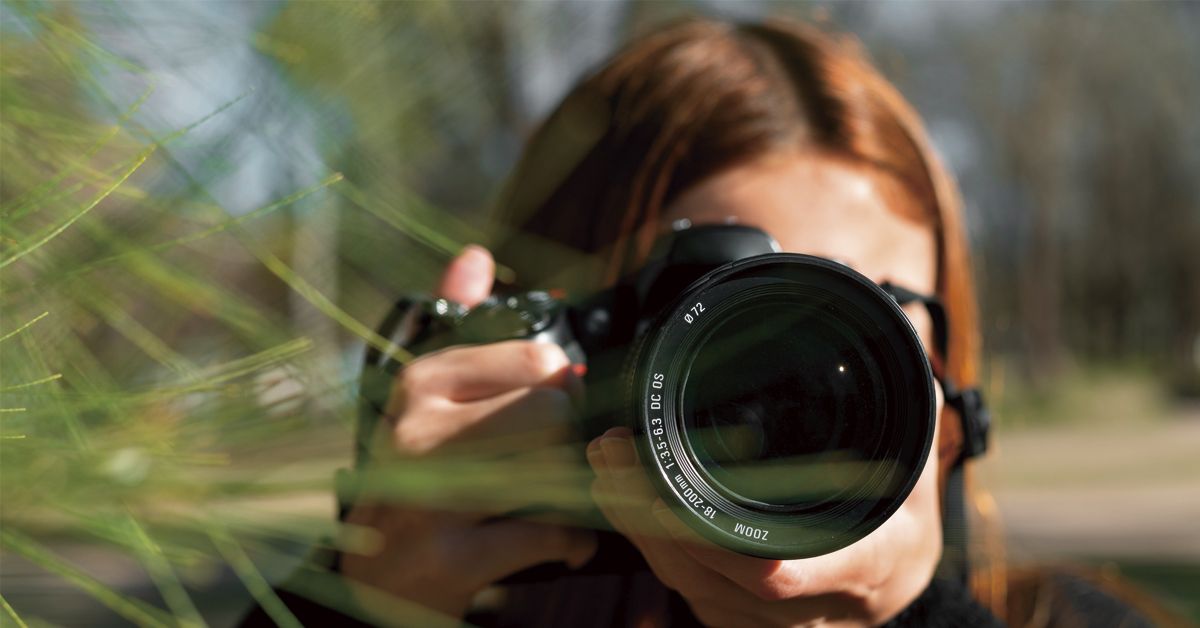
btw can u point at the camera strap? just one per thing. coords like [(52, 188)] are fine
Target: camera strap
[(973, 415)]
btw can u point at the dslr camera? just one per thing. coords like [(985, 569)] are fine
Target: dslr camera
[(782, 403)]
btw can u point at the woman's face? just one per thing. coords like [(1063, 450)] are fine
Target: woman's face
[(821, 205), (835, 208)]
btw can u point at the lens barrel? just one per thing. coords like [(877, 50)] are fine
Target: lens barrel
[(783, 405)]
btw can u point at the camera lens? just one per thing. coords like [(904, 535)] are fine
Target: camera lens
[(787, 404), (776, 388)]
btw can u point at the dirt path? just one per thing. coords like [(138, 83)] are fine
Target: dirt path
[(1115, 490)]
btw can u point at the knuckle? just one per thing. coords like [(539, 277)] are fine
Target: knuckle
[(419, 435), (414, 380), (542, 359), (769, 591), (410, 442), (418, 427)]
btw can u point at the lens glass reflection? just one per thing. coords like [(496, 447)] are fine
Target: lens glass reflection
[(784, 401)]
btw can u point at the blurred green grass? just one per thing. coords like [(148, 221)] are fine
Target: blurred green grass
[(1173, 583), (177, 363), (1097, 393), (146, 330), (176, 369)]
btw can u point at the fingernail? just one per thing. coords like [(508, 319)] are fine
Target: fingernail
[(595, 454), (475, 257)]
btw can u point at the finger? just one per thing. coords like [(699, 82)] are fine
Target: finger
[(469, 276), (752, 574), (759, 577), (519, 420), (768, 579), (618, 504), (525, 442), (721, 583), (765, 579), (856, 569), (775, 593), (625, 496), (472, 373), (394, 512), (506, 546), (516, 420), (476, 453), (625, 491), (555, 485), (667, 566)]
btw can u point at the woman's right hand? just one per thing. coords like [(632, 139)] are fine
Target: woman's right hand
[(516, 392)]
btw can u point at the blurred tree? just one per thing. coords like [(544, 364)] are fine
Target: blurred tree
[(1095, 127)]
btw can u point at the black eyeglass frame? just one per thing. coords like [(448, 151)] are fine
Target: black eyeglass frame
[(967, 402)]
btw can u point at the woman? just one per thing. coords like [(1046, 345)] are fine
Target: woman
[(776, 126)]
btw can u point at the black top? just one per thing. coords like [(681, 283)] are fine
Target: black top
[(1070, 601)]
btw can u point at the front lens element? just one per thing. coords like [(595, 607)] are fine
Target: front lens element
[(781, 399)]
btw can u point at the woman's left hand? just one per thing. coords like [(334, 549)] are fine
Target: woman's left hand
[(866, 583)]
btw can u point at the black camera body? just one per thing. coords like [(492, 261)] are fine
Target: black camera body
[(783, 404)]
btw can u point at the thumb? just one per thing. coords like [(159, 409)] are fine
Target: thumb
[(468, 279)]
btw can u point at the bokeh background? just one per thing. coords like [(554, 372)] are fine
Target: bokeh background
[(206, 206)]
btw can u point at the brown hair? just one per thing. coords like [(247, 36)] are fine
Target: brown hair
[(698, 97)]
